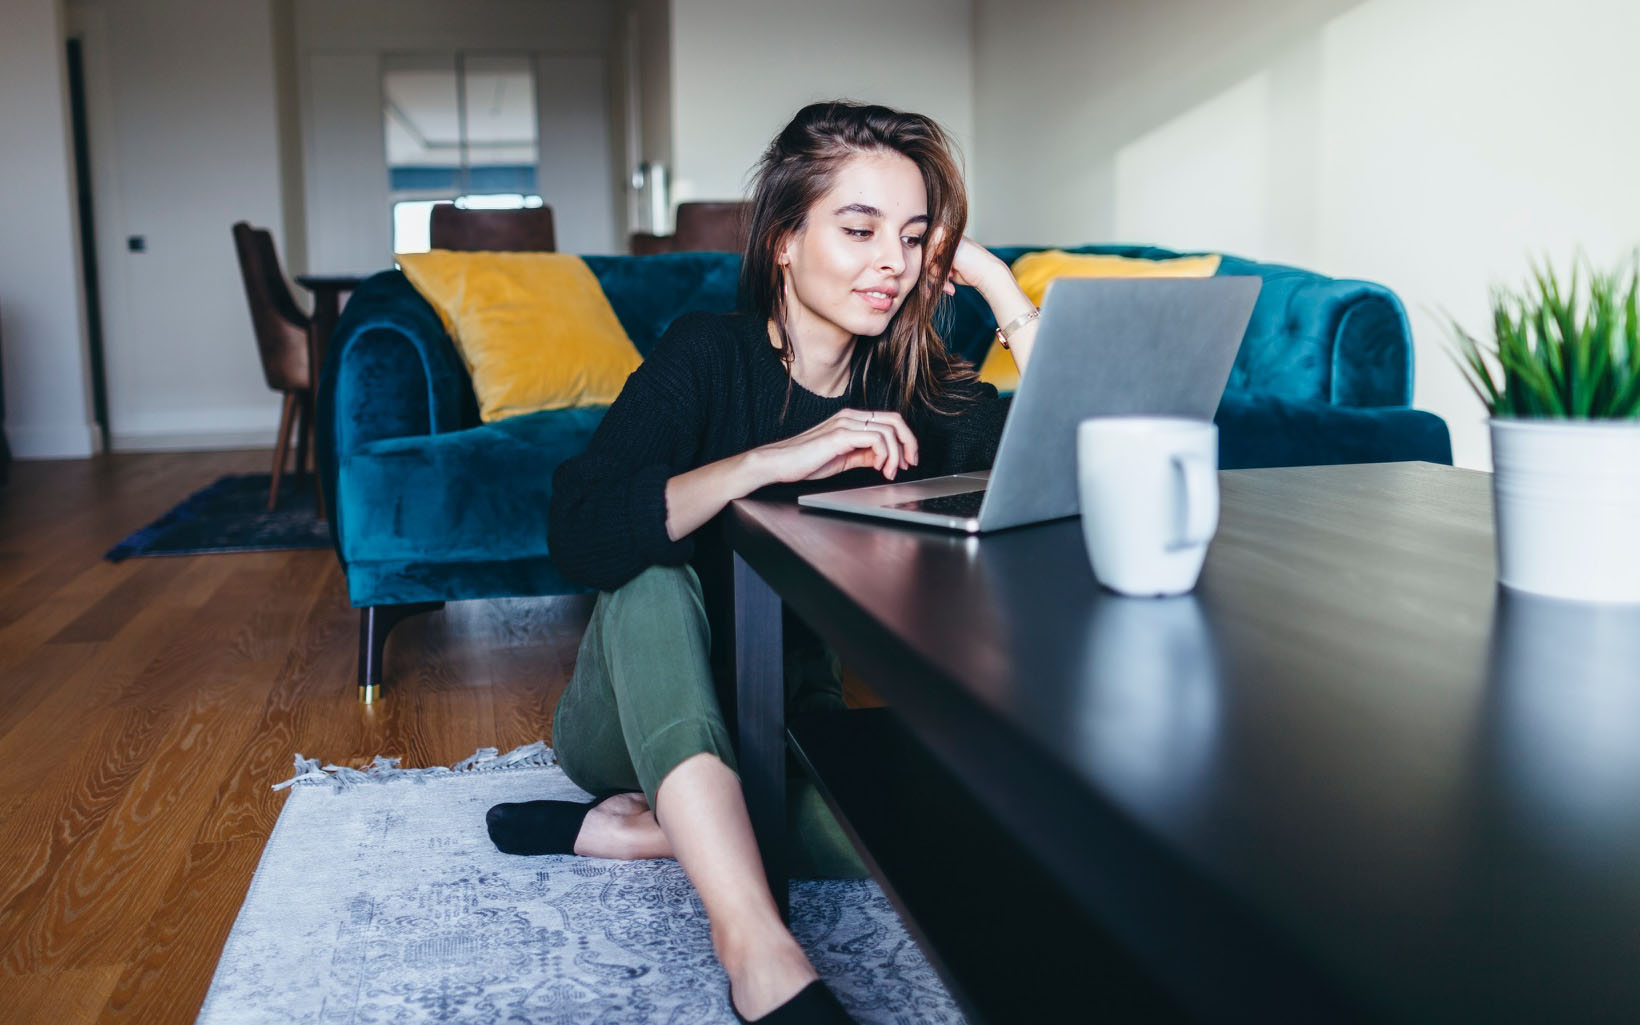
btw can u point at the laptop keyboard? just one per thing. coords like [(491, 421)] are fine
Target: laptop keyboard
[(966, 504)]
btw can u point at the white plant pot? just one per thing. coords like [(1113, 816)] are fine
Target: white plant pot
[(1567, 498)]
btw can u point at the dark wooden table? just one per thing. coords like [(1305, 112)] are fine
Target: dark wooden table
[(1347, 778), (329, 295)]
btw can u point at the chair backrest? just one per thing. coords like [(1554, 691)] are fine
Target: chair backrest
[(713, 227), (707, 227), (281, 326), (528, 230)]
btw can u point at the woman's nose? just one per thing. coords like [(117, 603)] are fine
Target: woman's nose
[(892, 257)]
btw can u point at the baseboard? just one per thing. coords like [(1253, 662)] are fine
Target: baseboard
[(56, 441), (196, 430), (191, 441)]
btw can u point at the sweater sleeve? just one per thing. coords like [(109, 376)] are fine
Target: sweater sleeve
[(607, 519)]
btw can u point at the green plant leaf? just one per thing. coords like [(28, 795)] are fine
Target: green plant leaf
[(1559, 348), (1467, 354)]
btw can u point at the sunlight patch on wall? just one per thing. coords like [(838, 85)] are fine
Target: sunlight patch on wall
[(1198, 182)]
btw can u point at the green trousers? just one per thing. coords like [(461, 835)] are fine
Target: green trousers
[(642, 700)]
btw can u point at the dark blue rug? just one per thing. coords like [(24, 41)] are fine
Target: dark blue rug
[(232, 516)]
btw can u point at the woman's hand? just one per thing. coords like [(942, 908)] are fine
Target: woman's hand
[(849, 439), (977, 266)]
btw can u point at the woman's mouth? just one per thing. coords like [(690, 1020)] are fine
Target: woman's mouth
[(882, 302)]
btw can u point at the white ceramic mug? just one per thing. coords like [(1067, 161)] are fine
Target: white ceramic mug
[(1150, 500)]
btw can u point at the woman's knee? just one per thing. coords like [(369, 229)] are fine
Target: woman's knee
[(658, 584), (665, 596)]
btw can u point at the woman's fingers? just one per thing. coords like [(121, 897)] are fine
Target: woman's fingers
[(848, 449), (896, 460), (855, 432), (892, 421), (902, 433)]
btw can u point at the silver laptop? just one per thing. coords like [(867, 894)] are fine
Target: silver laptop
[(1146, 346)]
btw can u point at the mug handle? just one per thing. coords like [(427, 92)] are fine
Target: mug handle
[(1199, 515)]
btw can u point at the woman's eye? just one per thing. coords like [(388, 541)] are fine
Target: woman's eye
[(857, 232), (913, 240)]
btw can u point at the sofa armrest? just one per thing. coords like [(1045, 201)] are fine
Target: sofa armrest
[(1372, 354), (391, 371), (1263, 430), (1315, 338)]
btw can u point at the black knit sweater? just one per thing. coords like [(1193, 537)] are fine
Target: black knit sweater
[(712, 388)]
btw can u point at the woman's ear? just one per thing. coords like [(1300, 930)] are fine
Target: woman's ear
[(783, 251)]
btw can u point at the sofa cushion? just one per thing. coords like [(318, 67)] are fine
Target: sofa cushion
[(464, 496), (395, 582), (534, 329), (1036, 271)]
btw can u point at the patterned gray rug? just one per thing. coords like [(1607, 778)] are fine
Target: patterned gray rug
[(380, 899)]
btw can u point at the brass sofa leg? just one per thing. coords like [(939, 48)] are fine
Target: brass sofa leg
[(375, 621)]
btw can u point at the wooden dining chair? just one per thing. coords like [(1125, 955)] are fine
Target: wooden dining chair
[(528, 230), (717, 227), (281, 341)]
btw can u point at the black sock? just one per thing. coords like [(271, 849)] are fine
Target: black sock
[(537, 827), (814, 1004)]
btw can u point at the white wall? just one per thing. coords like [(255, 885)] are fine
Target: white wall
[(742, 68), (1431, 145), (185, 141), (346, 195), (655, 80), (554, 26), (576, 168), (42, 326), (339, 46)]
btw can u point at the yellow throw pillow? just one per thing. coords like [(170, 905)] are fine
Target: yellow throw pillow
[(534, 329), (1034, 271)]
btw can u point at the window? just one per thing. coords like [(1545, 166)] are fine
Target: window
[(462, 129)]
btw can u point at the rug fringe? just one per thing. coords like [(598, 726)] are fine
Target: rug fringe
[(384, 770)]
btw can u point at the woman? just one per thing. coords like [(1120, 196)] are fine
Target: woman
[(835, 373)]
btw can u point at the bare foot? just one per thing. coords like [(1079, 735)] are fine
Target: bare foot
[(622, 827), (763, 974)]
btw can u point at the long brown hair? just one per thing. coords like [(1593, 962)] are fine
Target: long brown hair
[(796, 171)]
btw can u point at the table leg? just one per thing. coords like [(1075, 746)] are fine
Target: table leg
[(760, 711), (327, 310)]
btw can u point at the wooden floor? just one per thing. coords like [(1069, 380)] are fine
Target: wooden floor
[(147, 707)]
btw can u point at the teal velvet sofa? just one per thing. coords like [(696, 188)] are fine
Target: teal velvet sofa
[(428, 504)]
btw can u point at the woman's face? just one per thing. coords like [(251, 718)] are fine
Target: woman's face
[(860, 251)]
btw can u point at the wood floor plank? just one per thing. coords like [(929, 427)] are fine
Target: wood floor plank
[(171, 970), (75, 996), (146, 708), (103, 618), (46, 832), (108, 879), (40, 616), (31, 680), (312, 710), (171, 723), (38, 740)]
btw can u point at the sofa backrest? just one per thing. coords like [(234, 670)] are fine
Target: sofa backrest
[(1311, 337)]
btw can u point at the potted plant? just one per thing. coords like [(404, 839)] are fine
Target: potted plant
[(1561, 380)]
